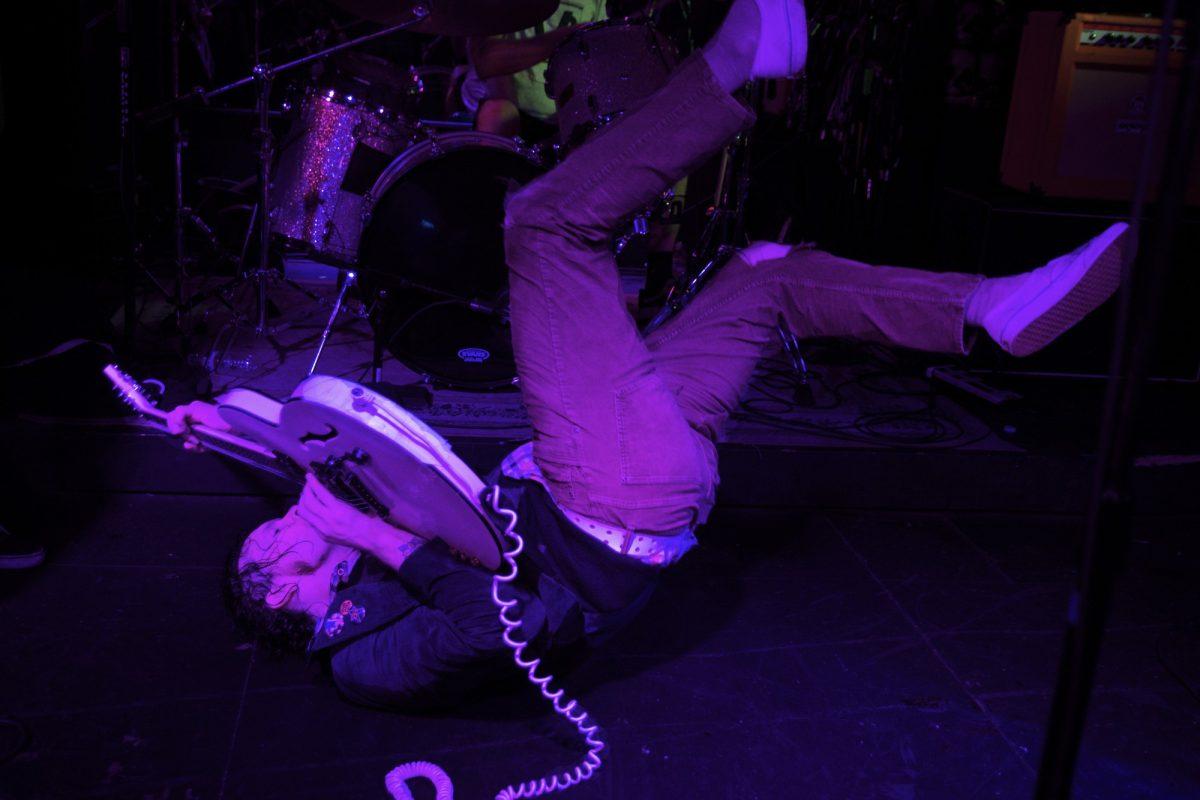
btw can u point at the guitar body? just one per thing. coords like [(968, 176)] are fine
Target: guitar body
[(375, 455)]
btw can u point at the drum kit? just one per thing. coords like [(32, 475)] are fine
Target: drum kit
[(406, 203)]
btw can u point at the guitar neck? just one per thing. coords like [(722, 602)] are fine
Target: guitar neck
[(227, 444)]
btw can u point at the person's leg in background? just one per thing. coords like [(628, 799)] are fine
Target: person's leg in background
[(498, 112), (499, 116)]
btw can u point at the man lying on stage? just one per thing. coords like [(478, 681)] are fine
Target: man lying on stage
[(623, 464)]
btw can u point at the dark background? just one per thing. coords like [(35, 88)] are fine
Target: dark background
[(937, 116)]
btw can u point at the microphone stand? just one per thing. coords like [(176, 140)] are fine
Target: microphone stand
[(1111, 504)]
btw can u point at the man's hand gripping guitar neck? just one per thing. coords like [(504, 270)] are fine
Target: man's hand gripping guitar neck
[(182, 419)]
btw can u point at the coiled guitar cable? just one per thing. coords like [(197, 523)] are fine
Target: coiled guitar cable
[(568, 709)]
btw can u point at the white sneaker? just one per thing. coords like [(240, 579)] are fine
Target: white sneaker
[(1055, 297), (782, 39)]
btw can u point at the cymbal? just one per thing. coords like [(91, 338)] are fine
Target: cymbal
[(456, 17)]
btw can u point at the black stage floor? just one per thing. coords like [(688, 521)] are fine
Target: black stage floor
[(795, 654), (861, 620)]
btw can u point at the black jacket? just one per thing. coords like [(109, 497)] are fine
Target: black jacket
[(428, 632)]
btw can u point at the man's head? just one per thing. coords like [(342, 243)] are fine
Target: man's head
[(279, 581)]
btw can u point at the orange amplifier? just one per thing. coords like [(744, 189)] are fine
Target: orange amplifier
[(1080, 108)]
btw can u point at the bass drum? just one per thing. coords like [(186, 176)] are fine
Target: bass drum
[(432, 257)]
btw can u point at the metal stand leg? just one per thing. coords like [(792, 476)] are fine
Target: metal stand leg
[(377, 354), (803, 391), (337, 307), (177, 146), (262, 274)]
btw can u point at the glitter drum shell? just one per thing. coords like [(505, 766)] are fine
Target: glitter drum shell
[(334, 152), (603, 70)]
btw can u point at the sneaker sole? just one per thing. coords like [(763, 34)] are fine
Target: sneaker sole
[(1098, 283)]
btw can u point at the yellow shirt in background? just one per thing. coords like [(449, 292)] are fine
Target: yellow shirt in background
[(530, 84)]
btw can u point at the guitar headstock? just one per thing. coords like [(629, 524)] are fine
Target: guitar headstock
[(129, 390)]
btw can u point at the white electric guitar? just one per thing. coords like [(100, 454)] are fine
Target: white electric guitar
[(364, 448)]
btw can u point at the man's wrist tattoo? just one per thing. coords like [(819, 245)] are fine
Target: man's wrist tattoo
[(408, 547)]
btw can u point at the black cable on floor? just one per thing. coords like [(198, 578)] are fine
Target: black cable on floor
[(771, 405)]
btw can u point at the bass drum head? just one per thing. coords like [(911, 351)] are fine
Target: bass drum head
[(432, 257)]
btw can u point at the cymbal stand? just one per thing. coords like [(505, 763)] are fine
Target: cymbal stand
[(177, 145), (347, 282), (132, 263), (126, 173)]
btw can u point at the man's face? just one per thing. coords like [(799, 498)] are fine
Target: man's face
[(298, 562)]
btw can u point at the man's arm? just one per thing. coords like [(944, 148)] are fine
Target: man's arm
[(493, 56), (443, 648), (448, 644), (340, 523)]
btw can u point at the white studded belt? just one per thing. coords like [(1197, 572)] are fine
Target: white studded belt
[(647, 547)]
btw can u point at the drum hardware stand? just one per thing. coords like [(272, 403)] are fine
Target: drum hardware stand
[(178, 143), (126, 174), (337, 307), (223, 291), (683, 293), (725, 225), (639, 226), (802, 392), (377, 342), (377, 345), (261, 78)]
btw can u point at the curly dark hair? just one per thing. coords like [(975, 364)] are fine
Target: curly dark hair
[(244, 590)]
